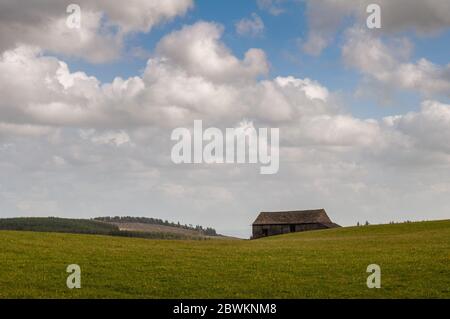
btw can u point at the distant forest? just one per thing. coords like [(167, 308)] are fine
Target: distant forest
[(53, 224), (154, 221)]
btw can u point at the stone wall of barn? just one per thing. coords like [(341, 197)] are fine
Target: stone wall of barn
[(260, 231)]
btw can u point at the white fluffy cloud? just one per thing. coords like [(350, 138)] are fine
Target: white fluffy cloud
[(206, 82), (199, 51), (390, 65)]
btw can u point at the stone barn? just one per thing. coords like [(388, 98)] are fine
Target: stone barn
[(278, 223)]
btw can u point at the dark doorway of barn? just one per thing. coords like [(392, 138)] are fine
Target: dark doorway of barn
[(265, 232), (292, 228)]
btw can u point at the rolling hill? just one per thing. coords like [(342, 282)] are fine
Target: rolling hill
[(161, 229), (414, 258), (100, 227)]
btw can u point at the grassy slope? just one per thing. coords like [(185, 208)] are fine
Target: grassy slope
[(415, 261)]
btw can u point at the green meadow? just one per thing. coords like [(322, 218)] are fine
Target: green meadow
[(414, 260)]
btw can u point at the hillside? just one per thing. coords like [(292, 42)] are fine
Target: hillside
[(98, 227), (141, 225), (62, 225), (158, 229), (415, 262)]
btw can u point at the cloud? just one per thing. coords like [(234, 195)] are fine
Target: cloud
[(272, 6), (10, 129), (115, 138), (198, 51), (312, 89), (207, 82), (337, 131), (252, 27), (205, 79), (390, 65), (315, 44), (103, 25), (325, 17), (430, 127)]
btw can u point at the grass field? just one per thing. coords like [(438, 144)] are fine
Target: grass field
[(415, 262)]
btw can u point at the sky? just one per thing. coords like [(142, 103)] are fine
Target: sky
[(86, 113)]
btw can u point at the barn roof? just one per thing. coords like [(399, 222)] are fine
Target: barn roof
[(318, 216)]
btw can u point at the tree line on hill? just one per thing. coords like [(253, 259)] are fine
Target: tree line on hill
[(208, 231), (84, 226), (53, 224)]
